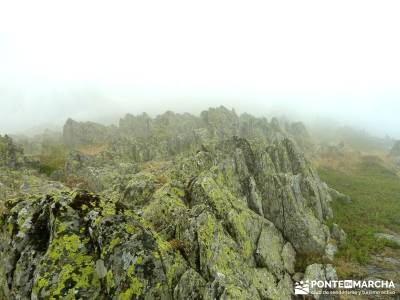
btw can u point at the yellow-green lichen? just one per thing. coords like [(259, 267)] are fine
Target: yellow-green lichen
[(61, 228), (10, 228), (108, 208), (41, 283), (109, 280), (129, 228), (72, 242), (77, 269), (113, 243), (135, 287)]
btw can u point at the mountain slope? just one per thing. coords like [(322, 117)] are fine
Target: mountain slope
[(197, 212)]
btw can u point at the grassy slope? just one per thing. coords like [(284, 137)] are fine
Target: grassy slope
[(375, 207)]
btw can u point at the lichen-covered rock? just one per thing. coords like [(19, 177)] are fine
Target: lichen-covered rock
[(139, 189), (137, 262), (140, 125), (74, 245), (142, 138), (319, 272), (166, 207), (96, 172), (289, 257), (277, 183), (338, 234), (11, 155), (67, 267), (388, 237), (270, 249), (338, 196), (173, 207), (330, 251), (190, 286), (221, 122), (85, 133)]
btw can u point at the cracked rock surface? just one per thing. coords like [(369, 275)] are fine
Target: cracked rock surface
[(221, 210)]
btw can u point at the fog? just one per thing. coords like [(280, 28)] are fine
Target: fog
[(97, 60)]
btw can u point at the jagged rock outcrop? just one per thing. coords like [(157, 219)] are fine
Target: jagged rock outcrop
[(222, 214), (15, 178), (142, 138), (221, 122), (78, 245), (74, 245), (10, 154), (85, 133), (139, 126), (278, 184)]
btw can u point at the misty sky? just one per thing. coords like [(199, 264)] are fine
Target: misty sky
[(98, 59)]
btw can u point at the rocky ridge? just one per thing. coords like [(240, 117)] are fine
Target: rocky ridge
[(220, 208)]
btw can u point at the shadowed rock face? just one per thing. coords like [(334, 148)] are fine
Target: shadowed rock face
[(223, 218)]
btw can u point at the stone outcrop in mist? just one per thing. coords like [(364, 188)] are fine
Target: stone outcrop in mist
[(177, 207)]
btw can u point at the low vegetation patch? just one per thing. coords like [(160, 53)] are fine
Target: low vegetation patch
[(52, 158), (375, 206)]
